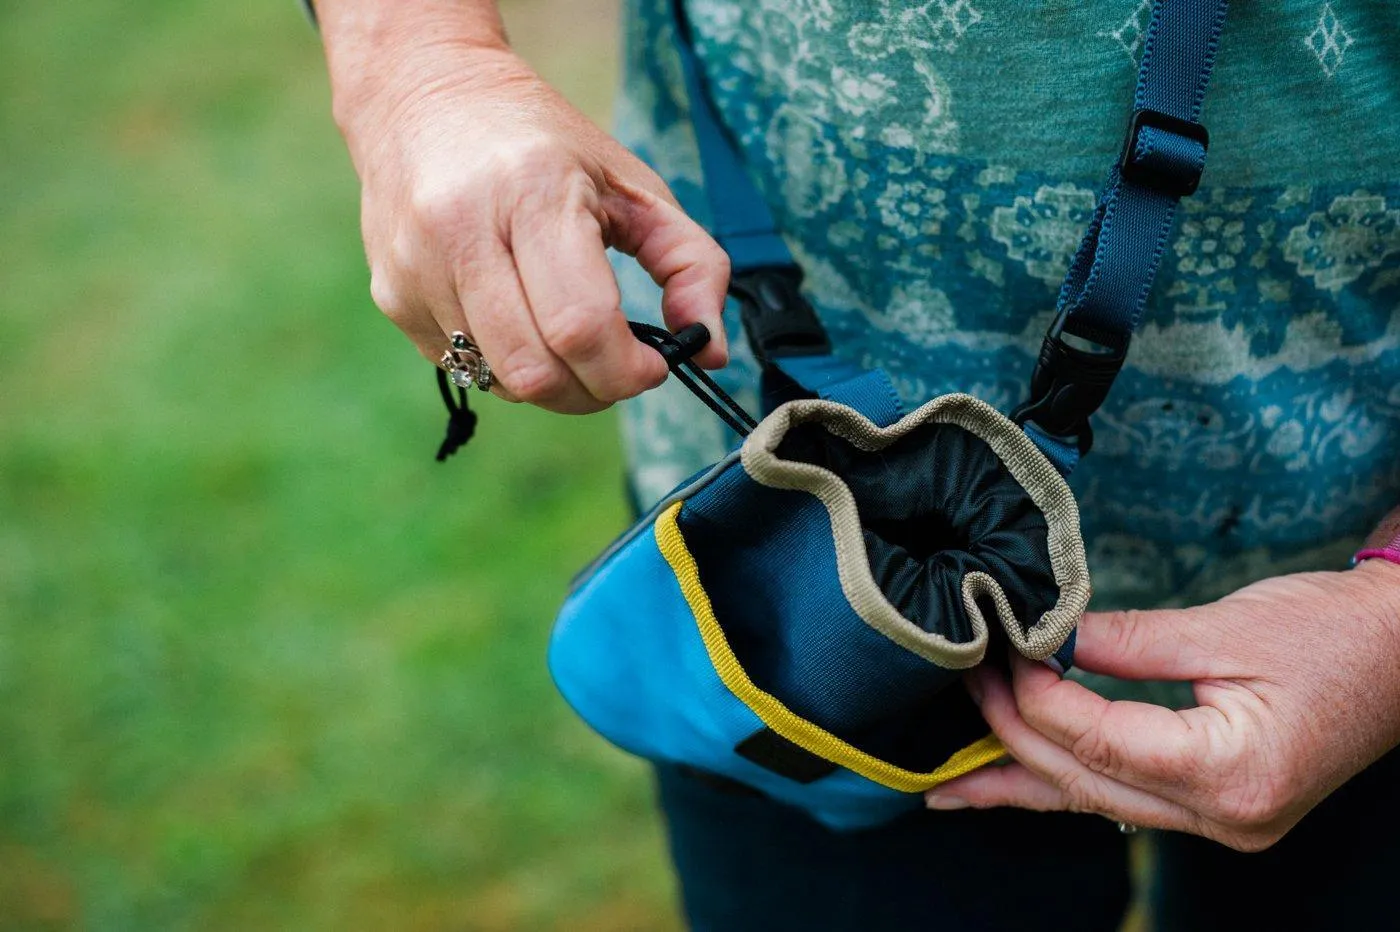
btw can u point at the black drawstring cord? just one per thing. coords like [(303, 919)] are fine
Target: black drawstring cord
[(676, 348), (461, 420)]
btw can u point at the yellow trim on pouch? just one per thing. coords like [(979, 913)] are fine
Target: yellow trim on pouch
[(779, 717)]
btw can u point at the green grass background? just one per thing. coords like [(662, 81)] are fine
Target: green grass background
[(263, 663)]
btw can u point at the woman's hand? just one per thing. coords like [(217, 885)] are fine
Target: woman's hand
[(489, 201), (1298, 684)]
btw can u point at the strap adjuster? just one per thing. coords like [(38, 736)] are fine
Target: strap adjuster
[(778, 320), (1173, 180), (1068, 385)]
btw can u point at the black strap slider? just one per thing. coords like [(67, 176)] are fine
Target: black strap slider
[(1069, 384), (1165, 171), (778, 320)]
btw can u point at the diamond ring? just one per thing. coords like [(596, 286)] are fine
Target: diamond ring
[(465, 365)]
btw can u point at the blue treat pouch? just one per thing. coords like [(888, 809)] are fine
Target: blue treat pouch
[(796, 618)]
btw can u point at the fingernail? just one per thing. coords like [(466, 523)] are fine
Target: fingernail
[(945, 801), (973, 683), (719, 338)]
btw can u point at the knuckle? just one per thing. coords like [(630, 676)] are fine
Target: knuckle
[(1080, 792), (627, 385), (1091, 746), (718, 260), (389, 297), (402, 251), (531, 379), (1254, 806), (530, 158), (1127, 634), (533, 169), (433, 206), (448, 203), (1096, 752), (575, 332)]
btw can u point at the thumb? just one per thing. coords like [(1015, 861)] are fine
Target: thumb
[(690, 267), (1169, 644)]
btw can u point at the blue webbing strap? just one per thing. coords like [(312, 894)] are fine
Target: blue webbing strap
[(739, 216), (797, 356), (1106, 290)]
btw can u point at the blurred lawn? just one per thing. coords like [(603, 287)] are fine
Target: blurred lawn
[(263, 663)]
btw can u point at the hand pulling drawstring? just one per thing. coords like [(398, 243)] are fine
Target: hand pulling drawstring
[(676, 348)]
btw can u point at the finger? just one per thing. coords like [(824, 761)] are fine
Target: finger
[(562, 263), (1136, 743), (1082, 789), (503, 393), (457, 322), (409, 313), (690, 267), (499, 319), (446, 343), (1019, 786), (1171, 644), (1000, 785)]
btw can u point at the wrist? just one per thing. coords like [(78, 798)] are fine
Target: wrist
[(380, 55), (1381, 596)]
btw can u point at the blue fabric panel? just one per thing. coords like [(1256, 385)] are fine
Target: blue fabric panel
[(1063, 658), (823, 660), (834, 378), (1061, 452), (767, 558), (627, 656)]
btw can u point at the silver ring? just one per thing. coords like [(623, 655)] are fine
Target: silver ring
[(465, 365), (1127, 828)]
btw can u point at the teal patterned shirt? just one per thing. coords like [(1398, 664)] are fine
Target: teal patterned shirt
[(933, 166)]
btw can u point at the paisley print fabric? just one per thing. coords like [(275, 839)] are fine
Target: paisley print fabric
[(933, 165)]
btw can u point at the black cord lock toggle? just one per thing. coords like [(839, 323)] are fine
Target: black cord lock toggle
[(677, 349), (1068, 385)]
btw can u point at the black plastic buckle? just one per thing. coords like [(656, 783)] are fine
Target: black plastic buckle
[(1146, 175), (778, 320), (1068, 385)]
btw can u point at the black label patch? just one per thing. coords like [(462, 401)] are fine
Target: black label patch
[(772, 751)]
